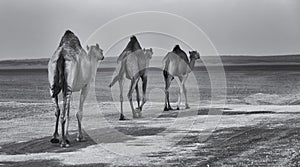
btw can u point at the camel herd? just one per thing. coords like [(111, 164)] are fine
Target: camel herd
[(72, 69)]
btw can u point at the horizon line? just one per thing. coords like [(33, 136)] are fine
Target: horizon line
[(222, 55)]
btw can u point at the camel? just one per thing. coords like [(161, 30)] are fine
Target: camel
[(71, 69), (176, 65), (133, 67)]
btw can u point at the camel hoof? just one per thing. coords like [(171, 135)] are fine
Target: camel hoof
[(64, 145), (166, 109), (187, 107), (138, 110), (79, 139), (140, 115), (177, 108), (135, 116), (122, 117), (54, 140)]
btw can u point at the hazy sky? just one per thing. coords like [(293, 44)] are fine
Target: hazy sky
[(33, 28)]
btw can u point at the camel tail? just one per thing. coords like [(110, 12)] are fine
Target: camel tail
[(166, 62), (59, 77), (118, 74)]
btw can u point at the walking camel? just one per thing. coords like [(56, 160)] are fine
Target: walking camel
[(133, 66), (71, 69), (176, 65)]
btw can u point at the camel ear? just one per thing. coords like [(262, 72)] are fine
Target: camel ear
[(97, 45), (190, 52), (87, 47)]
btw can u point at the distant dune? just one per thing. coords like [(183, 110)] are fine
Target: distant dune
[(110, 62), (43, 62), (261, 60), (24, 64)]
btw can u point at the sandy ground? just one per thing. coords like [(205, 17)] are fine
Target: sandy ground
[(242, 135)]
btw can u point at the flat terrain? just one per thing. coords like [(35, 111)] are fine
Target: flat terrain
[(257, 127)]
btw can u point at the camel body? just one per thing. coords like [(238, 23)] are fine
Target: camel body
[(133, 67), (71, 69), (136, 63), (82, 66), (176, 65)]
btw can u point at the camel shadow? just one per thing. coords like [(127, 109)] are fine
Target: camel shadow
[(211, 111), (227, 111), (41, 145), (102, 135), (32, 163), (51, 162)]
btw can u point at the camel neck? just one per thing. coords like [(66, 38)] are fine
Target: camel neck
[(192, 63), (94, 67)]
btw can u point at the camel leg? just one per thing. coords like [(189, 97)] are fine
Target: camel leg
[(67, 121), (139, 108), (168, 79), (144, 80), (118, 74), (137, 96), (122, 117), (166, 90), (70, 74), (185, 93), (116, 78), (179, 82), (129, 95), (168, 95), (83, 95), (57, 113), (63, 119)]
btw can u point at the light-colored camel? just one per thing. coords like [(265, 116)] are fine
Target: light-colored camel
[(176, 65), (71, 69), (134, 66)]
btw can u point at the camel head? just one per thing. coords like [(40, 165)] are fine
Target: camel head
[(95, 51), (194, 55), (148, 53)]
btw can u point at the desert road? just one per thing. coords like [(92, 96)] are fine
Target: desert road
[(242, 135)]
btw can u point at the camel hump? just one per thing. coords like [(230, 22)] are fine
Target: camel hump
[(176, 48), (69, 39), (178, 51), (132, 46)]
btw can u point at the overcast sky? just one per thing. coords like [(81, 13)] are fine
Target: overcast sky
[(33, 28)]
